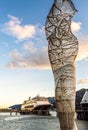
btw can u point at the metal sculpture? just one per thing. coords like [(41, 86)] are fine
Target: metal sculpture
[(63, 49)]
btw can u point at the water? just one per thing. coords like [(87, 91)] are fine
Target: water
[(34, 122)]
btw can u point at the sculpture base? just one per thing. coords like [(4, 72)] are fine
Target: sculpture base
[(67, 121)]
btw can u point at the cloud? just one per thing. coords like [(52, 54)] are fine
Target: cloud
[(75, 26), (15, 55), (83, 81), (83, 49), (33, 57), (35, 52), (30, 48), (14, 28)]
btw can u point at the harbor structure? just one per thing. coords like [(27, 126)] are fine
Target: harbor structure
[(83, 113)]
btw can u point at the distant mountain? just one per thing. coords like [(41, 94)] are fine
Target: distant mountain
[(52, 101)]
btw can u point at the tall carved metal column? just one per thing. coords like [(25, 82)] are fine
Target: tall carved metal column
[(63, 49)]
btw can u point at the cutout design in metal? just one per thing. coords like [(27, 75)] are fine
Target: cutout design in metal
[(62, 50)]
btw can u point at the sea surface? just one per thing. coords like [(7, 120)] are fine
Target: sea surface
[(34, 122)]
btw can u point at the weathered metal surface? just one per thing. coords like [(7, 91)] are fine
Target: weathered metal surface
[(62, 50)]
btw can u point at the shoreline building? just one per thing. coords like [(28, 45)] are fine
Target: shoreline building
[(83, 113)]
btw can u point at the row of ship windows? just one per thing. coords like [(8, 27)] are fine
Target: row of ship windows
[(31, 106)]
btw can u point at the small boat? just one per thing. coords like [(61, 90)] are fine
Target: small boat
[(37, 105)]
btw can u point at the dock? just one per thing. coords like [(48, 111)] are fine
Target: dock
[(82, 115), (25, 112), (10, 111)]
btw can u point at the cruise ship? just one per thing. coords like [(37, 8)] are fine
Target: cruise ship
[(37, 105)]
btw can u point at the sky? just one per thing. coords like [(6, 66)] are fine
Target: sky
[(24, 65)]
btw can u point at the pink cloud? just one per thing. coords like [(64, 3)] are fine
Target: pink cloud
[(14, 28)]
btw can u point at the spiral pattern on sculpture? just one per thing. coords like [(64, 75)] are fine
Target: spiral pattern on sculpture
[(62, 50)]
